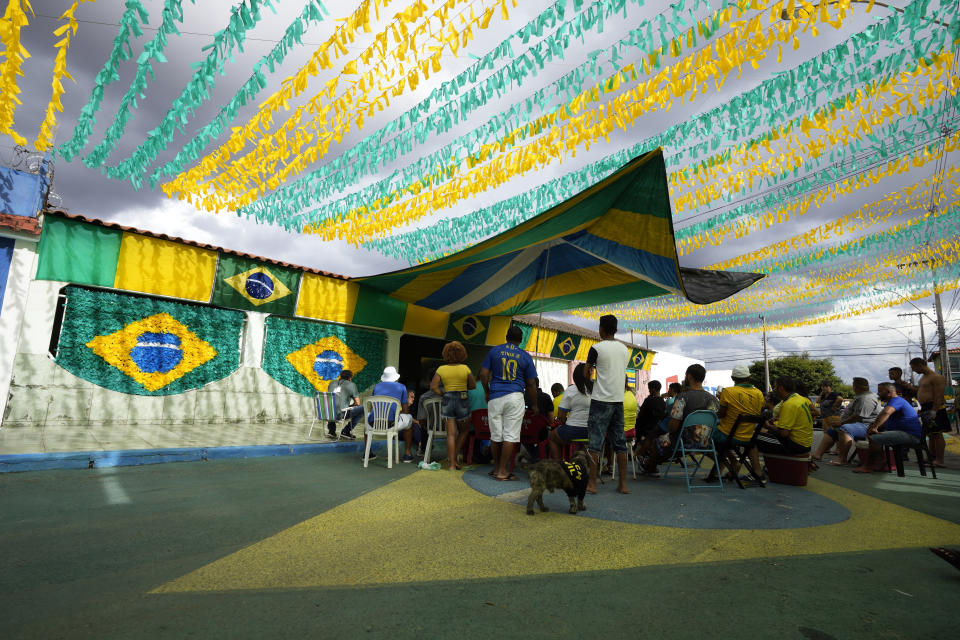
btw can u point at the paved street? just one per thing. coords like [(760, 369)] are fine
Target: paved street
[(316, 546)]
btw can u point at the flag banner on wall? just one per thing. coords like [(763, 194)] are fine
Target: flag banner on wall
[(146, 346), (306, 356), (637, 358), (83, 253), (566, 346), (6, 257), (74, 251), (472, 329), (243, 283)]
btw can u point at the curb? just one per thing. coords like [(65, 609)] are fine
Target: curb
[(135, 457)]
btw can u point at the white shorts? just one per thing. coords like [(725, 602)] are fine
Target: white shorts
[(405, 422), (505, 416)]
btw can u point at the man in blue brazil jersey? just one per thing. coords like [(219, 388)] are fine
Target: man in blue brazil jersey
[(506, 373)]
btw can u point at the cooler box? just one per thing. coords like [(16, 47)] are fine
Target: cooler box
[(788, 469)]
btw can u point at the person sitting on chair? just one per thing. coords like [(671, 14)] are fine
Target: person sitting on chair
[(348, 402), (851, 424), (695, 398), (390, 386), (556, 390), (574, 411), (897, 424), (741, 398), (792, 433)]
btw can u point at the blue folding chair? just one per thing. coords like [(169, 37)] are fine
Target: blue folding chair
[(692, 442)]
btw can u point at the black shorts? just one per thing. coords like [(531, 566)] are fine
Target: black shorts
[(938, 422), (773, 444)]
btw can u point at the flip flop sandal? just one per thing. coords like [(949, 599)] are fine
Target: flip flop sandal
[(509, 478), (949, 555)]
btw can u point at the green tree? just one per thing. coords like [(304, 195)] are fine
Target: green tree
[(809, 373)]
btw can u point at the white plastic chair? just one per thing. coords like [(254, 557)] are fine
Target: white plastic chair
[(435, 427), (383, 427), (326, 409)]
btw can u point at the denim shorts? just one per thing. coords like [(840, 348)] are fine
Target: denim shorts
[(856, 430), (894, 438), (455, 405), (606, 420), (568, 432)]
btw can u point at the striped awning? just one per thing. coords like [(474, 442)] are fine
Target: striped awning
[(612, 242)]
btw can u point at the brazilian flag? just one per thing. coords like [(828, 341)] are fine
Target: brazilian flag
[(566, 346), (306, 356), (242, 283), (146, 346), (471, 329), (637, 358)]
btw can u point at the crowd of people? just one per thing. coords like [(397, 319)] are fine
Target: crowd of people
[(599, 411)]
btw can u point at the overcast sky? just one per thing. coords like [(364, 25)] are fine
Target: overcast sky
[(859, 347)]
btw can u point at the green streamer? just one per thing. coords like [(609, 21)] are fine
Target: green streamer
[(313, 13), (108, 73), (376, 151), (243, 18), (153, 50), (753, 106)]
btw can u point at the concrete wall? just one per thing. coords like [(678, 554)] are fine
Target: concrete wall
[(42, 394)]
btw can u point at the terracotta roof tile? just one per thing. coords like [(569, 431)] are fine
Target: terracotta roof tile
[(19, 223)]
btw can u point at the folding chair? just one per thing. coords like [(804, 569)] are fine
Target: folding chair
[(692, 442), (740, 450), (435, 428), (383, 426), (325, 410)]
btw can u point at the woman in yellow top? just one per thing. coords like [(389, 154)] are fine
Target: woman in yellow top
[(452, 381)]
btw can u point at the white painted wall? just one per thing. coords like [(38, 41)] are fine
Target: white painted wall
[(550, 371), (22, 267), (717, 379), (667, 364)]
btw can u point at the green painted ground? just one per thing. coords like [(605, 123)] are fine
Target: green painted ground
[(172, 550)]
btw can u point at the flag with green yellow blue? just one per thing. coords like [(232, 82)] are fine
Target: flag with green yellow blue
[(243, 283), (565, 346), (472, 329)]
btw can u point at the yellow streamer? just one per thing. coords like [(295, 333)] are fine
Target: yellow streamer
[(13, 21), (672, 82), (45, 136), (787, 151), (397, 40), (260, 166), (290, 88), (801, 205)]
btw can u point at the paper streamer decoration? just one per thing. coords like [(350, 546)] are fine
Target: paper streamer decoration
[(108, 74), (243, 18), (14, 20)]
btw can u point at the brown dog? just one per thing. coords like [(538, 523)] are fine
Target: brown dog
[(550, 475)]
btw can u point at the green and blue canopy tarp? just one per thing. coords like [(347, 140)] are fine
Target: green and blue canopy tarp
[(612, 242)]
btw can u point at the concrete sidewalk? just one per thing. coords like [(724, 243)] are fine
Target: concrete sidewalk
[(62, 438)]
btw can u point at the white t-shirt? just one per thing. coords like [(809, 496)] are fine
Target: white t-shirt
[(609, 357), (578, 406)]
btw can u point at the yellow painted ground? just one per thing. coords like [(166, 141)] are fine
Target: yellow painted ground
[(431, 526)]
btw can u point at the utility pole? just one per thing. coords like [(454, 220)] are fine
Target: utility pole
[(766, 363), (923, 339), (646, 338), (944, 354)]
